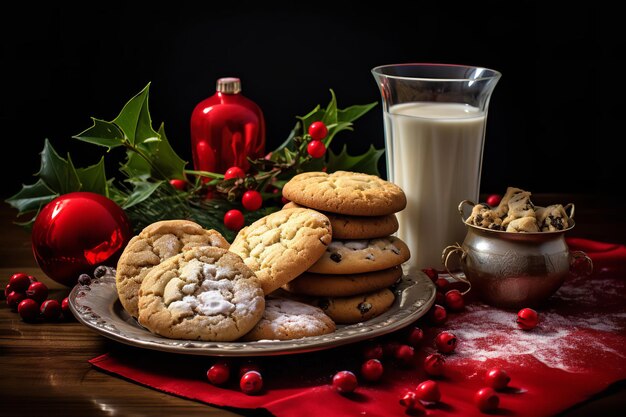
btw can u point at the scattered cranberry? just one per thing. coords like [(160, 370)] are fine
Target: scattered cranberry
[(527, 319), (486, 400), (178, 184), (14, 298), (251, 382), (372, 370), (373, 351), (434, 364), (390, 348), (454, 300), (65, 308), (37, 291), (497, 379), (344, 381), (432, 273), (28, 309), (84, 279), (440, 298), (316, 148), (428, 391), (494, 199), (405, 354), (446, 342), (7, 290), (442, 284), (32, 279), (19, 282), (233, 220), (283, 200), (252, 200), (247, 367), (51, 310), (318, 130), (412, 404), (219, 373), (234, 172), (416, 336), (437, 315)]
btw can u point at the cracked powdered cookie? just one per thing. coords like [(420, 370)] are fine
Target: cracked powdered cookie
[(358, 227), (205, 293), (282, 245), (155, 243), (345, 192), (286, 319), (483, 216), (356, 309), (358, 256), (552, 218), (322, 285)]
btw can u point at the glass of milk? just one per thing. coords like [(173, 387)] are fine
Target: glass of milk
[(435, 117)]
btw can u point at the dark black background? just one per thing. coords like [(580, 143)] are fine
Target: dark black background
[(550, 125)]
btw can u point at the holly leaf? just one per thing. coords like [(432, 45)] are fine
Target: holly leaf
[(102, 133), (134, 119), (142, 190), (32, 197), (366, 163), (330, 114), (93, 178), (350, 114), (58, 173)]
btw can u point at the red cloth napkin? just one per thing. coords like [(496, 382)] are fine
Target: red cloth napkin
[(578, 350)]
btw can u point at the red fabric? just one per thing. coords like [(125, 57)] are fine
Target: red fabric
[(577, 350)]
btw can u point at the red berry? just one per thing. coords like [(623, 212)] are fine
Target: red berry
[(416, 335), (283, 201), (234, 172), (372, 370), (434, 364), (19, 282), (251, 382), (344, 381), (318, 130), (442, 285), (316, 148), (494, 199), (390, 348), (178, 184), (432, 273), (14, 298), (373, 351), (446, 342), (440, 298), (428, 391), (51, 310), (527, 319), (247, 367), (437, 315), (233, 220), (252, 200), (454, 300), (65, 308), (28, 309), (486, 400), (497, 379), (32, 279), (219, 373), (7, 290), (405, 354), (37, 291), (412, 404)]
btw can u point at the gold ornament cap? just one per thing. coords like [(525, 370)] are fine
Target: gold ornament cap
[(229, 85)]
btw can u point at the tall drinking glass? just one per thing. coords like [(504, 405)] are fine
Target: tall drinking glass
[(435, 117)]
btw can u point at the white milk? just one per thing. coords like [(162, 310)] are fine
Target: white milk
[(434, 152)]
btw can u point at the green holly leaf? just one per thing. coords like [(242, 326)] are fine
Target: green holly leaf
[(366, 163), (350, 114), (93, 178), (330, 114), (32, 197), (58, 173), (102, 133), (142, 190), (134, 119)]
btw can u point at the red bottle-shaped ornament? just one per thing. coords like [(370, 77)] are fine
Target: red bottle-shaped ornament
[(226, 129)]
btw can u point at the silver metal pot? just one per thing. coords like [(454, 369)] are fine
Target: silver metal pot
[(514, 270)]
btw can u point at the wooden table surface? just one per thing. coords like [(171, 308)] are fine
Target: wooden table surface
[(44, 369)]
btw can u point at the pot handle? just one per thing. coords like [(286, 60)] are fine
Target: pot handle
[(571, 213), (452, 249), (460, 208), (578, 257)]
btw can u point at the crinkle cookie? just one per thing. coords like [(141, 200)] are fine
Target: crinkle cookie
[(286, 319), (552, 218), (205, 293), (519, 206), (282, 245), (483, 216), (523, 224), (344, 192), (358, 256), (156, 243)]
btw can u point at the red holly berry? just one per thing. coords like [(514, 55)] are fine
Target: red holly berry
[(37, 291), (497, 379), (446, 342), (442, 285), (412, 404), (454, 300), (318, 130), (252, 200), (251, 382), (434, 364), (428, 391), (65, 308), (405, 354), (527, 319), (28, 309), (178, 184), (345, 382), (437, 315), (432, 273), (219, 373), (19, 282), (316, 148), (494, 199), (51, 310), (372, 370), (14, 298), (233, 220), (247, 367), (234, 172), (486, 400), (416, 335), (373, 351)]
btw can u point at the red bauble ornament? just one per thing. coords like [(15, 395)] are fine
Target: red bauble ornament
[(412, 404), (76, 232), (316, 148), (372, 370), (318, 130), (219, 373), (497, 379), (51, 310), (37, 291), (486, 400), (416, 335), (28, 309), (446, 342), (527, 319), (454, 300), (233, 220), (345, 382), (428, 391), (494, 199), (234, 172), (434, 364), (251, 382), (252, 200)]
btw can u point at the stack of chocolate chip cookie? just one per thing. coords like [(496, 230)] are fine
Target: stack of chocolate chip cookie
[(351, 280)]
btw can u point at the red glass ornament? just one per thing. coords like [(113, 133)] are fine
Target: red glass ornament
[(76, 232), (226, 129)]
